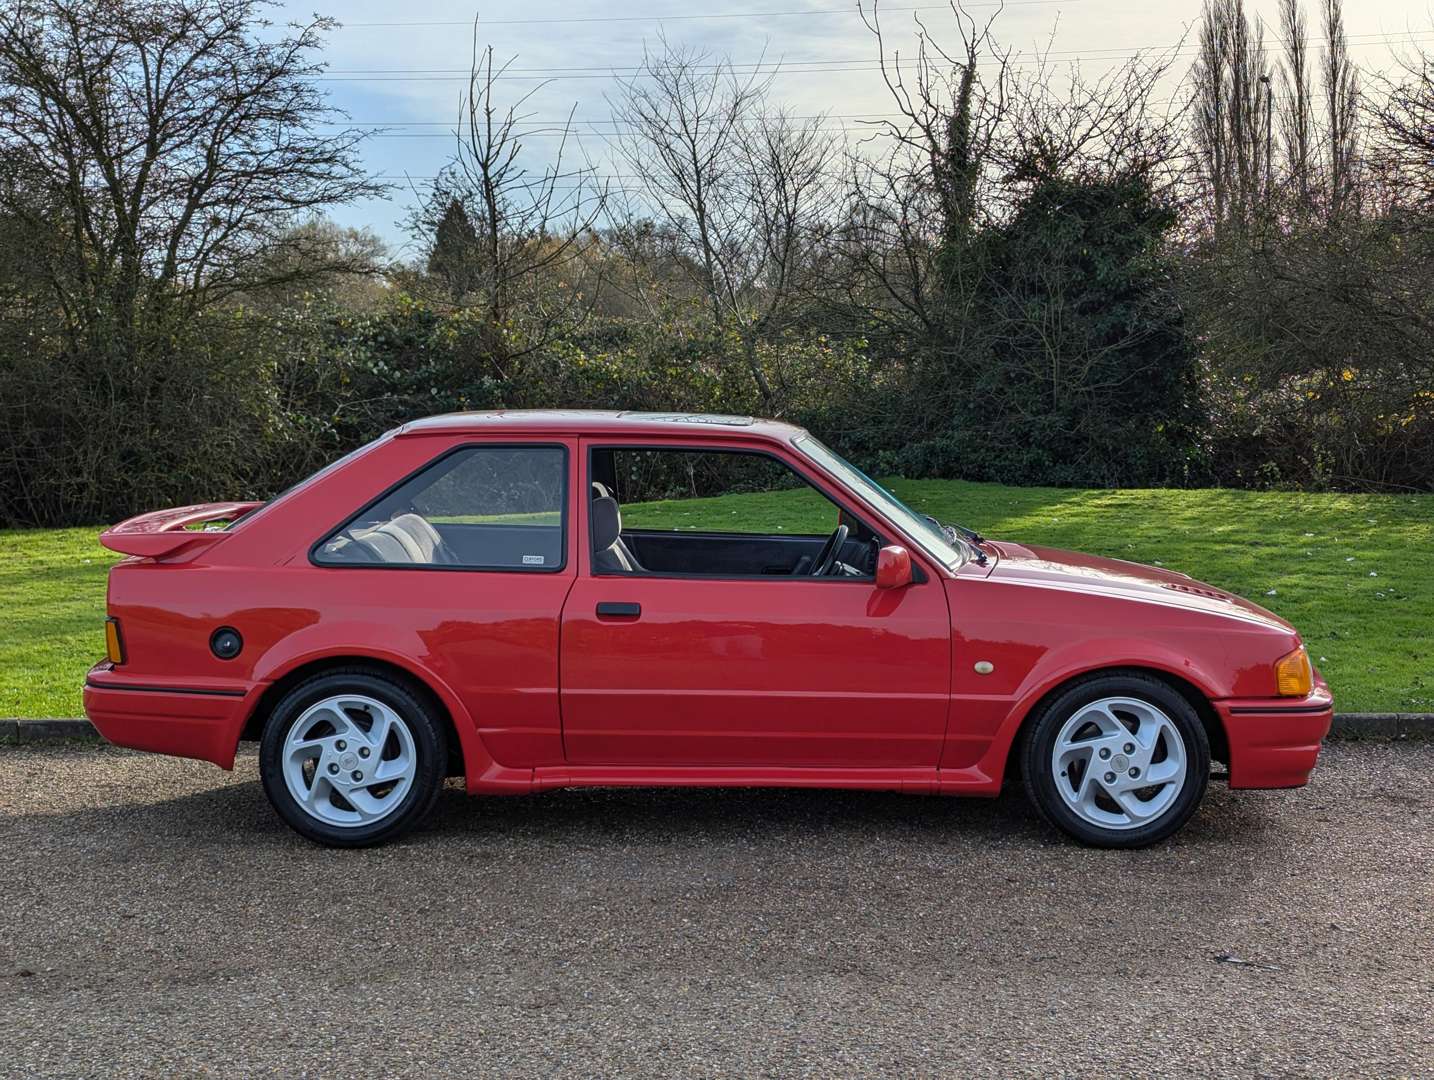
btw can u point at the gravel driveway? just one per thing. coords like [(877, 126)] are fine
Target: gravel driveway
[(162, 922)]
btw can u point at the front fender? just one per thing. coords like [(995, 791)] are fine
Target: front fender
[(1059, 666), (1067, 662)]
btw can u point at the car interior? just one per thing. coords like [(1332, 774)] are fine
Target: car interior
[(411, 538), (849, 550), (465, 526), (482, 508)]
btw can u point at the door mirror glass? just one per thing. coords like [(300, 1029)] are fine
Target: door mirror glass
[(893, 567)]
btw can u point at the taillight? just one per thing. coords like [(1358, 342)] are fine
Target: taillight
[(114, 644)]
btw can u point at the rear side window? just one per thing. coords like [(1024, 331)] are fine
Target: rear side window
[(476, 508)]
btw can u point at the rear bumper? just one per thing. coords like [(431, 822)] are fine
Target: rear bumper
[(186, 721), (1274, 742)]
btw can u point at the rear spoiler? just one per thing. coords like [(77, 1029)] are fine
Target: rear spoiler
[(166, 532)]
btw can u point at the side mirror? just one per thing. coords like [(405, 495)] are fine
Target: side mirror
[(893, 567)]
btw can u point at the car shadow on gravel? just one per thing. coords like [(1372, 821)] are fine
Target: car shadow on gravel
[(237, 813), (664, 815)]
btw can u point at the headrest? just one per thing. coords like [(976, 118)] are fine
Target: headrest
[(600, 491), (607, 522)]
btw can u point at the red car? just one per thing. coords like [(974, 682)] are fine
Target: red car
[(533, 600)]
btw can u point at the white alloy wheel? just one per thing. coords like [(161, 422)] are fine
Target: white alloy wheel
[(349, 760), (1119, 763)]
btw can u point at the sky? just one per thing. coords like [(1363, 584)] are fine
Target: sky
[(402, 67)]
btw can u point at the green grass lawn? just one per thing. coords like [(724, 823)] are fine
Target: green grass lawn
[(1355, 573), (52, 594)]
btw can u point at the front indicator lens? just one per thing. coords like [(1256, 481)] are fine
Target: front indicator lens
[(114, 645), (1294, 674)]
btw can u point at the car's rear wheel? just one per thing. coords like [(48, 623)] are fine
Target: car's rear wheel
[(1117, 760), (351, 758)]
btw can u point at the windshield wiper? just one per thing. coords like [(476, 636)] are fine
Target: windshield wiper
[(956, 533), (970, 534)]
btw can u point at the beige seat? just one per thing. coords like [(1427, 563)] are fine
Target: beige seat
[(407, 538), (419, 539)]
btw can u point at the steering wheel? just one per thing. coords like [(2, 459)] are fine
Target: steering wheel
[(827, 557)]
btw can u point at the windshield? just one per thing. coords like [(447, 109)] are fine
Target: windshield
[(923, 530)]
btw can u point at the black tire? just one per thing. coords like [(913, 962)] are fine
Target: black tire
[(1039, 745), (430, 743)]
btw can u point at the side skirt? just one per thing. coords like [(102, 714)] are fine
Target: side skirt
[(913, 780)]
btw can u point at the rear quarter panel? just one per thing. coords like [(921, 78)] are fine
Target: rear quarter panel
[(486, 642)]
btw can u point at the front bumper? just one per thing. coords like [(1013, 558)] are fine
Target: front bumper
[(186, 721), (1274, 742)]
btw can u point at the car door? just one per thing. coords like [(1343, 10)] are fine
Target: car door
[(665, 668)]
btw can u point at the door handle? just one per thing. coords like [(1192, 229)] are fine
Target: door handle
[(612, 609)]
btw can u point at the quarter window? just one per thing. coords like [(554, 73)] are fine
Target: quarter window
[(479, 508)]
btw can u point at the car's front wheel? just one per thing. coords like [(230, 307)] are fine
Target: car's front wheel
[(352, 758), (1117, 760)]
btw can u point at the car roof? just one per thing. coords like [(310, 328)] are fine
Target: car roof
[(599, 422)]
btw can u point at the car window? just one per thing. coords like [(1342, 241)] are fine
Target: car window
[(716, 491), (717, 513), (925, 531), (479, 507)]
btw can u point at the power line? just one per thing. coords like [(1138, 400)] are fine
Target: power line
[(596, 184), (578, 132), (690, 17), (745, 68), (804, 67), (608, 129), (869, 123), (558, 123), (536, 178)]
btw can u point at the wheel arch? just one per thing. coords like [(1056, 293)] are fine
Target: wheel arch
[(1019, 722), (465, 746)]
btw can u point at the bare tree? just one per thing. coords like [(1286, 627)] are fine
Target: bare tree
[(173, 146), (1341, 92), (972, 135), (917, 188), (1212, 122), (1233, 131), (1069, 124), (682, 116), (1404, 113), (739, 187), (885, 248), (950, 114), (499, 230), (293, 273), (786, 165), (1297, 108)]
